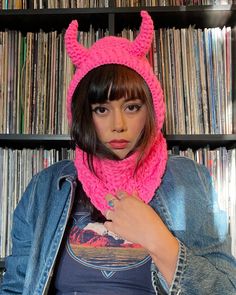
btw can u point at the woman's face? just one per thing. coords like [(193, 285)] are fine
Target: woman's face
[(119, 123)]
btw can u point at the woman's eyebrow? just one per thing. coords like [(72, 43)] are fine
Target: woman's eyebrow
[(100, 103), (130, 98)]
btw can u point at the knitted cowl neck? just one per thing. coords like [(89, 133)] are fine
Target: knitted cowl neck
[(113, 176)]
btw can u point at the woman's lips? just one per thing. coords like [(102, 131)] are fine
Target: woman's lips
[(118, 144)]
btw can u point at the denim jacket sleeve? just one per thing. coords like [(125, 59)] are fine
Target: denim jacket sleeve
[(205, 265), (16, 263)]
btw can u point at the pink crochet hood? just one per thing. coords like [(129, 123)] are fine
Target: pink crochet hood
[(113, 175)]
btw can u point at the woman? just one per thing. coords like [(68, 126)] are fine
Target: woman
[(123, 218)]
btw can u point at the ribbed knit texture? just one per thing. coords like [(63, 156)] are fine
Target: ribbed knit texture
[(119, 175)]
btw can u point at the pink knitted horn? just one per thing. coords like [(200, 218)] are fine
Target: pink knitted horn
[(143, 41), (76, 52)]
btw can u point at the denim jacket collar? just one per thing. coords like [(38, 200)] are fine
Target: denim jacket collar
[(68, 172)]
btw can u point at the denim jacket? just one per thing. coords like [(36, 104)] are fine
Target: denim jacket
[(185, 201)]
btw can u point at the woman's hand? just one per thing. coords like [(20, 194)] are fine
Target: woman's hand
[(133, 220)]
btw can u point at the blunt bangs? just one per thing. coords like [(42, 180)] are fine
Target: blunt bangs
[(112, 82)]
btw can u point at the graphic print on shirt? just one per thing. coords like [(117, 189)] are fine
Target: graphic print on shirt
[(90, 244)]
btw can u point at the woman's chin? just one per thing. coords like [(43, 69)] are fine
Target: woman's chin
[(121, 154)]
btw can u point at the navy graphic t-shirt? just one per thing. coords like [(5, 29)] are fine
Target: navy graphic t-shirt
[(94, 261)]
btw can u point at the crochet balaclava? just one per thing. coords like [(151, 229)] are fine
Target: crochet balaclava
[(111, 175)]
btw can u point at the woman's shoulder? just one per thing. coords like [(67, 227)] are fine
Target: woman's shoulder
[(53, 176), (48, 181), (184, 166), (59, 169), (186, 179), (180, 160)]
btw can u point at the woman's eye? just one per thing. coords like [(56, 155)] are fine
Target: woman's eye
[(133, 108), (99, 110)]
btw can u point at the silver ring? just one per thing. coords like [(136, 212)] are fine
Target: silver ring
[(111, 203)]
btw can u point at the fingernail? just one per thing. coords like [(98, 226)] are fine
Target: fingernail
[(120, 194)]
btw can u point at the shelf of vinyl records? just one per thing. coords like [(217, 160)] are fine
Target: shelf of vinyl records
[(193, 56), (194, 66)]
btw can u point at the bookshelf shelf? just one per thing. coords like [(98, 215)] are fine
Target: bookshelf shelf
[(178, 16), (52, 19), (2, 263), (202, 140), (48, 141)]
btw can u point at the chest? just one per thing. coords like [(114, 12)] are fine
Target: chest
[(93, 260)]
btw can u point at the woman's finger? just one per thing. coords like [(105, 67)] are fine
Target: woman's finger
[(111, 200), (108, 215), (121, 194)]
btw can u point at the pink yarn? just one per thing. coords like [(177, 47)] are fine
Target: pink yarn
[(116, 50), (113, 175), (119, 175)]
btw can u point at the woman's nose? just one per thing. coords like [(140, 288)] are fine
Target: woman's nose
[(119, 122)]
